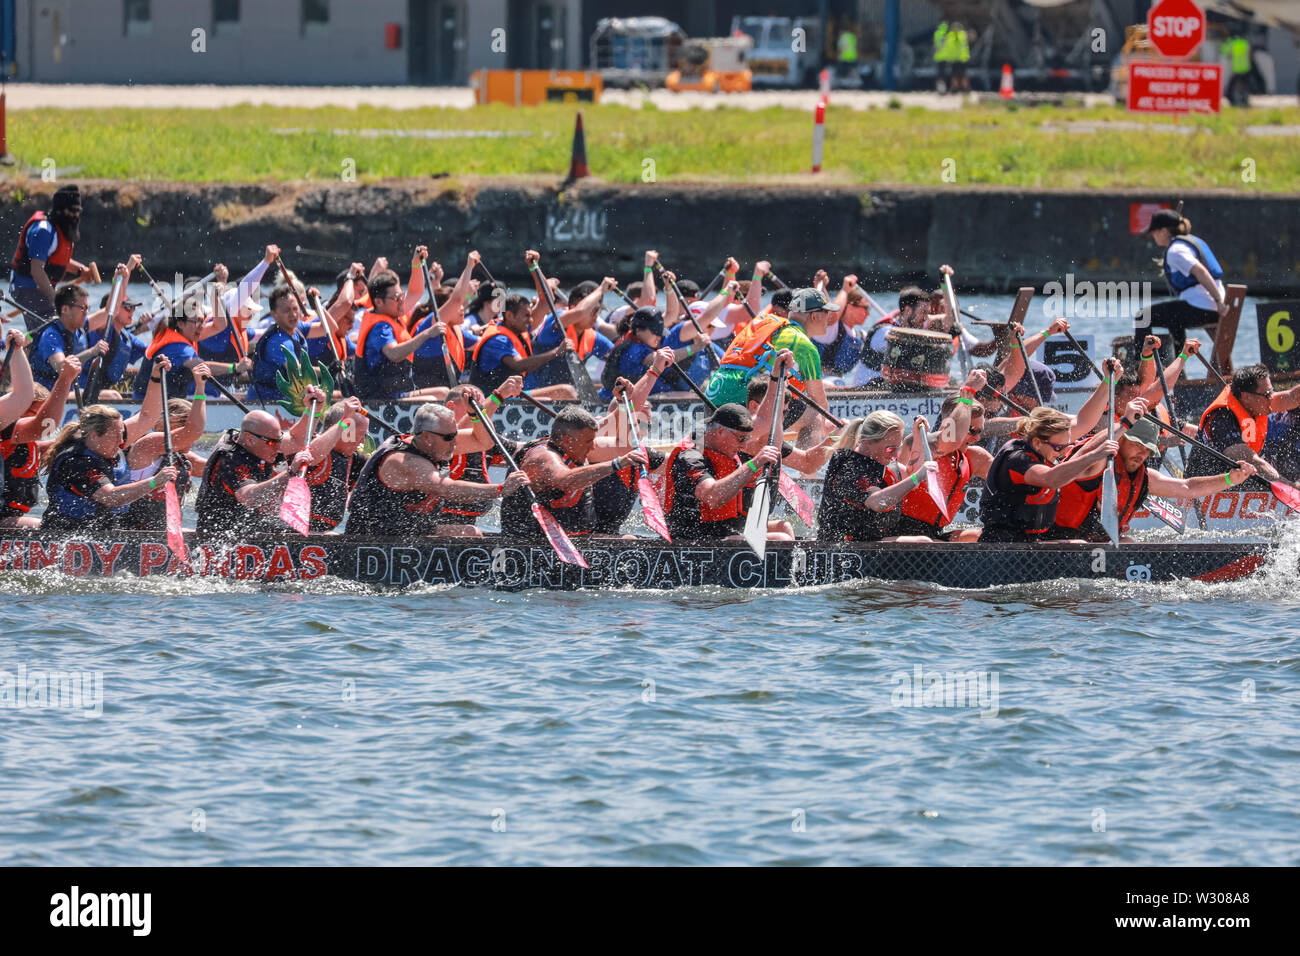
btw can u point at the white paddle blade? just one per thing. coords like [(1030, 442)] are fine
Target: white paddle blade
[(653, 508), (756, 520), (936, 495), (175, 537), (295, 507), (1110, 505)]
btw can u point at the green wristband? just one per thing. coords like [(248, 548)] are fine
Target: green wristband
[(916, 479), (648, 270), (965, 401), (752, 467), (1148, 358), (232, 368), (1184, 356), (1227, 478), (494, 399), (199, 397), (153, 483)]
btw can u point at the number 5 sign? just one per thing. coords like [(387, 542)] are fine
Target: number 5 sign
[(1279, 348)]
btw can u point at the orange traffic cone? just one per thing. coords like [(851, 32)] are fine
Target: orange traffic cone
[(578, 168), (1008, 82)]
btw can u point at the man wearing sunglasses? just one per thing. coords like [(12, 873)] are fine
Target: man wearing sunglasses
[(405, 481), (1236, 423), (242, 491)]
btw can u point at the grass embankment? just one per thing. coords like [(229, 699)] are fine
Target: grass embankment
[(987, 145)]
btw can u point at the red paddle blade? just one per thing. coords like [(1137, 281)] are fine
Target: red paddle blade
[(936, 495), (175, 539), (796, 498), (559, 540), (295, 507), (653, 508), (1286, 494)]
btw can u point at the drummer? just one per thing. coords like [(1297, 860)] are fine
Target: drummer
[(913, 312)]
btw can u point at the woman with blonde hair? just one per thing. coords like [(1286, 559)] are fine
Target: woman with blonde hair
[(1024, 480), (865, 482), (89, 485), (148, 456)]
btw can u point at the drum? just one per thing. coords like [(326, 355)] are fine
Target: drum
[(915, 358)]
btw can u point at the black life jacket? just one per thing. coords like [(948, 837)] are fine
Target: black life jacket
[(574, 510), (380, 511), (150, 512), (330, 483), (1012, 506), (842, 514), (220, 513)]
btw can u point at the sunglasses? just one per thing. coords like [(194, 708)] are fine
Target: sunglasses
[(444, 436), (1268, 394), (976, 432), (270, 441), (1055, 447)]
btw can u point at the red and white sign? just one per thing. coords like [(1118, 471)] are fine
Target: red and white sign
[(1140, 213), (1176, 27), (1174, 87)]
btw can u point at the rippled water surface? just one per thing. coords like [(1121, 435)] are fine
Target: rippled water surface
[(1134, 724)]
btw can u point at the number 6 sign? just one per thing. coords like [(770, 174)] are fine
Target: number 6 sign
[(1278, 347)]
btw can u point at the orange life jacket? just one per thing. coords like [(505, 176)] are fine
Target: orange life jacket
[(522, 345), (584, 343), (749, 345), (1254, 428), (371, 319), (454, 343), (919, 505), (168, 337)]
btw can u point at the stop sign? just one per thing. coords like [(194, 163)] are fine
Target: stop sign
[(1176, 27)]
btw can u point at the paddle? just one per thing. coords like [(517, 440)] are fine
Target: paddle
[(1287, 494), (453, 374), (44, 322), (756, 520), (1020, 342), (707, 342), (1109, 496), (1006, 400), (226, 392), (95, 377), (651, 506), (962, 353), (9, 354), (1212, 369), (171, 306), (486, 272), (1166, 512), (777, 279), (714, 284), (171, 502), (932, 479), (564, 548), (91, 275), (234, 337), (577, 370), (295, 506), (1087, 358), (320, 253), (536, 404)]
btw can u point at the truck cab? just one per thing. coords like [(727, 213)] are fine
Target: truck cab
[(782, 58)]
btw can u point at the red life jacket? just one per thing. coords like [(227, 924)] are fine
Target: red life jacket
[(1079, 497), (1254, 428), (722, 465), (58, 261), (168, 337), (454, 343), (919, 505), (371, 319), (524, 346)]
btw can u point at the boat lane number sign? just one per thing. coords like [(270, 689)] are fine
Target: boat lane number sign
[(1279, 344)]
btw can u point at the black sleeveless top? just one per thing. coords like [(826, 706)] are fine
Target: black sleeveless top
[(574, 510), (380, 511)]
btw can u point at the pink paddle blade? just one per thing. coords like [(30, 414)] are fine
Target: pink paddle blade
[(653, 508), (175, 539), (797, 498), (936, 495), (1286, 494), (559, 540), (295, 507)]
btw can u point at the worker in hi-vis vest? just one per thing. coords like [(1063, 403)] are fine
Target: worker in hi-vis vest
[(848, 53), (942, 65), (957, 54), (1242, 62)]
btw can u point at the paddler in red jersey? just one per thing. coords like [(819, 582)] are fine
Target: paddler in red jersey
[(1078, 514), (958, 458)]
